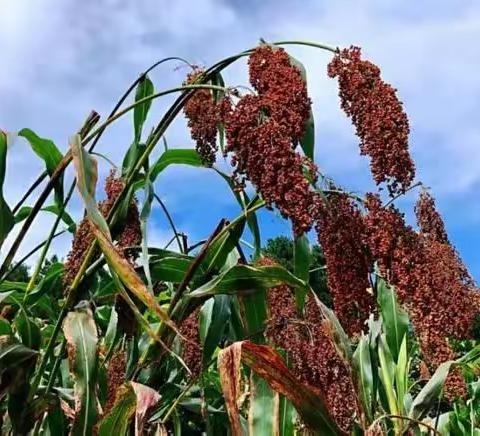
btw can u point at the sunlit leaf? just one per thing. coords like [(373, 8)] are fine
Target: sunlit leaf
[(214, 319), (24, 211), (264, 413), (247, 278), (144, 89), (395, 319)]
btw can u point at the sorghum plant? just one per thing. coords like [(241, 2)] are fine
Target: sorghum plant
[(124, 337)]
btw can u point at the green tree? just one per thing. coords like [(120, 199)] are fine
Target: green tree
[(281, 250), (19, 274)]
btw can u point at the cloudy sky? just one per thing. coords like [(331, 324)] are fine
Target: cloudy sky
[(62, 58)]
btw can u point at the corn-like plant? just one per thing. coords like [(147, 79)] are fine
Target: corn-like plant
[(122, 337)]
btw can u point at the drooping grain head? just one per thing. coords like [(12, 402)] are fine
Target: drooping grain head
[(202, 115), (341, 229), (378, 116), (262, 131)]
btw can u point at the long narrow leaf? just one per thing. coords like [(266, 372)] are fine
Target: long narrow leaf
[(49, 153), (81, 335)]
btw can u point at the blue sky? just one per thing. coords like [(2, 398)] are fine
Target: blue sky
[(62, 58)]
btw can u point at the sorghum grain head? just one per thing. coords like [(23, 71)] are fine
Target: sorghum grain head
[(340, 230), (202, 115), (378, 117)]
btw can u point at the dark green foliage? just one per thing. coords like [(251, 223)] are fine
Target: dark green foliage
[(281, 250), (19, 274)]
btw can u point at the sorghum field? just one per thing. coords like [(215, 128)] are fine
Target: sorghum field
[(367, 326)]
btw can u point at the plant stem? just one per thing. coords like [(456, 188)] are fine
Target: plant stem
[(44, 252), (170, 221), (194, 266), (31, 253), (124, 111), (32, 188)]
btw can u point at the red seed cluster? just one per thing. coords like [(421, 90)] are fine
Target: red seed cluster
[(428, 280), (116, 371), (315, 360), (262, 131), (340, 229), (432, 227), (192, 350), (429, 220), (129, 233), (202, 115), (378, 117), (82, 240), (282, 89)]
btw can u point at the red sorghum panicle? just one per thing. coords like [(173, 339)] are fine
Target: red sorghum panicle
[(428, 281), (314, 357), (82, 240), (378, 117), (340, 229), (262, 132), (192, 350), (202, 115), (281, 88), (116, 371), (429, 220), (131, 234), (432, 227)]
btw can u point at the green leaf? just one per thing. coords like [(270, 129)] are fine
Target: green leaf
[(401, 375), (252, 222), (307, 141), (117, 420), (431, 392), (87, 174), (13, 355), (222, 246), (111, 333), (247, 278), (24, 211), (302, 258), (214, 319), (6, 216), (171, 269), (28, 330), (362, 366), (175, 156), (387, 371), (5, 328), (263, 414), (394, 318), (131, 399), (144, 89), (50, 285), (51, 155), (81, 335), (144, 214), (254, 313)]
